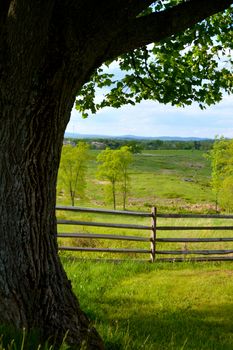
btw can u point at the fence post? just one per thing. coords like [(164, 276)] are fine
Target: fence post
[(153, 233)]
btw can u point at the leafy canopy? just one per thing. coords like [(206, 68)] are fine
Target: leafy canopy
[(221, 157), (194, 66), (114, 167)]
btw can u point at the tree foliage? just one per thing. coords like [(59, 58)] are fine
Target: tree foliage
[(72, 170), (192, 66), (108, 169), (221, 157), (134, 146), (126, 159), (114, 167), (226, 194)]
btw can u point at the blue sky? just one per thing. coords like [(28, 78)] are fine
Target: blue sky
[(150, 118)]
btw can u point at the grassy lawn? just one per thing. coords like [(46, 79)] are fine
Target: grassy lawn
[(157, 306)]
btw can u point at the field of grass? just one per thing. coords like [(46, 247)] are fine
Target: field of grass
[(157, 306), (174, 181), (161, 306), (171, 180)]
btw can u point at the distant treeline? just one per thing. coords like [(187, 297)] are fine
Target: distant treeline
[(138, 145)]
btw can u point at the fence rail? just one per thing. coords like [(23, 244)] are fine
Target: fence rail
[(153, 235), (103, 224), (104, 211)]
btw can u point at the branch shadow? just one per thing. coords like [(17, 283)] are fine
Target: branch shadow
[(209, 328)]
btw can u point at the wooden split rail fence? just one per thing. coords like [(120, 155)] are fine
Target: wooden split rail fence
[(153, 237)]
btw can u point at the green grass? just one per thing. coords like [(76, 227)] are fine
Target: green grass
[(15, 339), (172, 180), (161, 306), (105, 243), (157, 306)]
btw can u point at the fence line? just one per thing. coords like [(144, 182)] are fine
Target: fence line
[(153, 239), (104, 211), (105, 236), (103, 224)]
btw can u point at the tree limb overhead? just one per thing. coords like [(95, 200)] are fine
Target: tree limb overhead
[(159, 25)]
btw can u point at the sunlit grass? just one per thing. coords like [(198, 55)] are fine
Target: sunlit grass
[(157, 306), (161, 306), (167, 246), (172, 180)]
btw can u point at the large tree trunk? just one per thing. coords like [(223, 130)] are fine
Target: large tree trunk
[(34, 289), (38, 84)]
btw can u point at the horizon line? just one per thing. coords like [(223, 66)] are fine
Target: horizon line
[(137, 136)]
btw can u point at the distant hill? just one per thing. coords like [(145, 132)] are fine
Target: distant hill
[(133, 137)]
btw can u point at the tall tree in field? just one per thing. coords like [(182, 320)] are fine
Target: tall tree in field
[(125, 160), (226, 195), (50, 52), (109, 169), (218, 159), (221, 157), (114, 167), (72, 170)]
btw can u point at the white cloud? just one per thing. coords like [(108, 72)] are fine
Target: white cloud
[(153, 119)]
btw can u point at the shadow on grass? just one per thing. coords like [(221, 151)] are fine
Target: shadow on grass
[(21, 339), (210, 328), (14, 339)]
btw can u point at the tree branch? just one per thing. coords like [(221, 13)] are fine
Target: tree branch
[(160, 25), (137, 6)]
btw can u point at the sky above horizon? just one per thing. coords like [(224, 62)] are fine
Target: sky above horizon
[(153, 119)]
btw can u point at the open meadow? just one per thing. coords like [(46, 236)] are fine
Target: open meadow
[(176, 181), (172, 180), (160, 306)]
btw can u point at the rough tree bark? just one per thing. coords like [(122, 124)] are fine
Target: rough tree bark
[(34, 289), (48, 49), (38, 87)]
